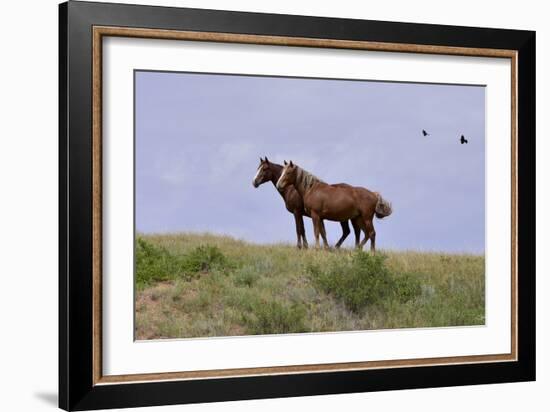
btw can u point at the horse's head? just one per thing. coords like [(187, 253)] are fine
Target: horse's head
[(288, 176), (263, 174)]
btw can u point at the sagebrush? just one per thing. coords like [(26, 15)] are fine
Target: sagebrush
[(363, 279), (156, 263)]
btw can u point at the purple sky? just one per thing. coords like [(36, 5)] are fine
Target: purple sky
[(199, 138)]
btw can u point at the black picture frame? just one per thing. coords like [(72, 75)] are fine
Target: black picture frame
[(77, 390)]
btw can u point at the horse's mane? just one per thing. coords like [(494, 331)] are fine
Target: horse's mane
[(306, 179)]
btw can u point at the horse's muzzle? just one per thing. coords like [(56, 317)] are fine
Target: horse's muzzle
[(255, 184)]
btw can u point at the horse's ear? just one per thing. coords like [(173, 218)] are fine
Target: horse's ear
[(285, 163), (291, 164), (261, 160), (266, 160)]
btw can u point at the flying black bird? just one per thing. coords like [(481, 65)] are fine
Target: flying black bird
[(463, 140), (425, 133)]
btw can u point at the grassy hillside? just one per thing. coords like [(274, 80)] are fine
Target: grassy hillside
[(190, 285)]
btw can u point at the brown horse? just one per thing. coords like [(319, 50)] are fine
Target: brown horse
[(271, 172), (338, 203)]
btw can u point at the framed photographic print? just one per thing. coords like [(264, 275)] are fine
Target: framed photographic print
[(256, 205)]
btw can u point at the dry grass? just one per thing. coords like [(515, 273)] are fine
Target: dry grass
[(263, 289)]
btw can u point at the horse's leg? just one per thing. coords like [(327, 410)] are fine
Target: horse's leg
[(345, 233), (297, 219), (372, 237), (356, 231), (369, 234), (303, 232), (359, 224), (324, 234), (316, 225)]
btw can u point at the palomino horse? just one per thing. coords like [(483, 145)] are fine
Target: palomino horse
[(271, 172), (338, 203)]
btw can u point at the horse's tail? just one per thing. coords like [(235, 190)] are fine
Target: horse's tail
[(383, 207)]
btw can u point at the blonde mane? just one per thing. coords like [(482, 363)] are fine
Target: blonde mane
[(306, 179)]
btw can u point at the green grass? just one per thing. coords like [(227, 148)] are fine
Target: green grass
[(193, 285), (155, 263)]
